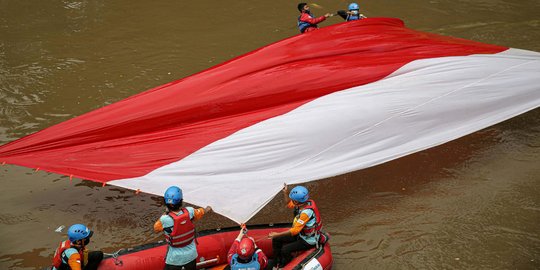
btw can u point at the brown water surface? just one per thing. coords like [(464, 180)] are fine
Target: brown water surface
[(473, 203)]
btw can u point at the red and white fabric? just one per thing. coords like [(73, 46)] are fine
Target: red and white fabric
[(316, 105)]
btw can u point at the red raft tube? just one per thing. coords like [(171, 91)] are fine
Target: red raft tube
[(212, 247)]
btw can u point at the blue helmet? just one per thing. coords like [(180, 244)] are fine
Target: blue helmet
[(78, 232), (354, 6), (299, 194), (173, 195)]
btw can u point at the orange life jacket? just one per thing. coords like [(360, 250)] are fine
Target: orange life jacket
[(57, 259), (183, 231)]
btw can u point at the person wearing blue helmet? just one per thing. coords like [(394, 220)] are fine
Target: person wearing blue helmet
[(352, 14), (305, 231), (72, 253), (177, 226)]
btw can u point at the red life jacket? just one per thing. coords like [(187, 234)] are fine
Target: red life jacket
[(183, 230), (316, 228), (57, 259)]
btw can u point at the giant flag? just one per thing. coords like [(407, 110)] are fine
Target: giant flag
[(315, 105)]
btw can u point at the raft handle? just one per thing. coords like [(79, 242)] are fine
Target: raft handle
[(204, 263)]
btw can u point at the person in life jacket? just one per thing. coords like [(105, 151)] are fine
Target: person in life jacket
[(177, 225), (353, 14), (72, 253), (244, 253), (306, 22), (305, 231)]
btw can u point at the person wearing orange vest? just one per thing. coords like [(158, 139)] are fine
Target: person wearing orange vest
[(72, 253), (177, 225), (305, 231)]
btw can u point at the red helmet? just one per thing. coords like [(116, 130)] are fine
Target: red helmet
[(246, 249)]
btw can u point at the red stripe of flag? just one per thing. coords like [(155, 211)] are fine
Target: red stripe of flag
[(139, 134)]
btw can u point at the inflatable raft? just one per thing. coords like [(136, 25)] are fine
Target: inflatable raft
[(212, 246)]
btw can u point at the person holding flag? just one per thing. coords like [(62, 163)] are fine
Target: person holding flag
[(353, 13), (244, 253), (177, 225), (306, 21), (306, 228)]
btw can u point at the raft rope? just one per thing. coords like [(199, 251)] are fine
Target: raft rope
[(115, 256)]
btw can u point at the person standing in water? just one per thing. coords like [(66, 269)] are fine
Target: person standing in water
[(353, 14), (305, 231), (177, 225), (72, 253), (306, 21)]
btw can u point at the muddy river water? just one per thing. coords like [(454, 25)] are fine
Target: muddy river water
[(473, 203)]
